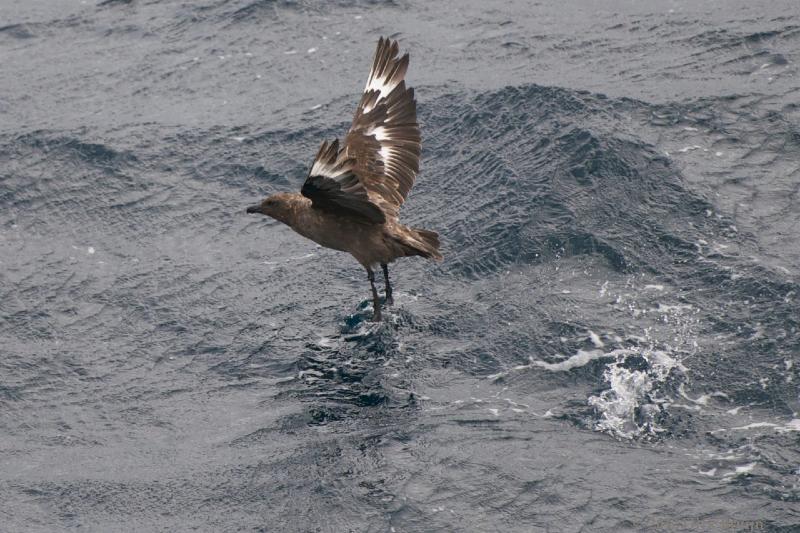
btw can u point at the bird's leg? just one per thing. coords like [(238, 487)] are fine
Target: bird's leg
[(376, 303), (387, 285)]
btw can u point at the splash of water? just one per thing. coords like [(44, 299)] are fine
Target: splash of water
[(630, 408)]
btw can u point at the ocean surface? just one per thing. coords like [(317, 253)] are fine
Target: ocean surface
[(611, 344)]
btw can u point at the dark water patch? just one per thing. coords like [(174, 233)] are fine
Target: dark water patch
[(550, 175), (17, 31), (721, 39), (268, 11), (39, 164), (54, 144), (112, 3), (764, 35), (352, 366), (262, 8), (10, 393)]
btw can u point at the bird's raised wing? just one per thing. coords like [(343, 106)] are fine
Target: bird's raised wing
[(384, 139), (371, 175)]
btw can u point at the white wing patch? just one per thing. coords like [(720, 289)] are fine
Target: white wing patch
[(322, 168), (381, 85), (380, 133), (386, 153), (329, 162)]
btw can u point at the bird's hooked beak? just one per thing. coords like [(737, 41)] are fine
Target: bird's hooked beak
[(254, 209)]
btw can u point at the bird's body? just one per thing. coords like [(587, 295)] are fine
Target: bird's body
[(351, 198), (370, 243)]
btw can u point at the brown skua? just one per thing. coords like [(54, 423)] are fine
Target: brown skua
[(352, 196)]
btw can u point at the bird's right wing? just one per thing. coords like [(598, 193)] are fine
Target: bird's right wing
[(333, 186)]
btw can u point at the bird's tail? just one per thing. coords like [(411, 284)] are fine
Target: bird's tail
[(417, 241)]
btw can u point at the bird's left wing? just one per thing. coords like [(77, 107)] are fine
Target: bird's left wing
[(371, 175), (384, 139)]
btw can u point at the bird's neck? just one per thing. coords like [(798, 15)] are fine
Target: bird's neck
[(293, 209)]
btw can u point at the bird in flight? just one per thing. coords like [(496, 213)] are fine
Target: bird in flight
[(352, 196)]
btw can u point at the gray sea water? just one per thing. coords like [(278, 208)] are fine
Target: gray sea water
[(611, 343)]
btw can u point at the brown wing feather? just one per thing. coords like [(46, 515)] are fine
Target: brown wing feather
[(384, 139)]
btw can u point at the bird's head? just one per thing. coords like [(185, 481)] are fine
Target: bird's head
[(278, 206)]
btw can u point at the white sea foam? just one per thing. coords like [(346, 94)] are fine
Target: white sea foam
[(309, 374), (629, 407), (664, 308), (789, 426), (579, 359), (690, 148), (595, 338), (404, 297), (754, 425), (740, 470), (704, 398), (328, 342)]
